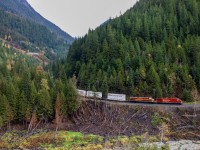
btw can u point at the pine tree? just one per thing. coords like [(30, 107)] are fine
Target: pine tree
[(58, 113)]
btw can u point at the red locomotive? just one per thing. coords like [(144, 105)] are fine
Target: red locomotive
[(156, 101), (169, 100), (141, 99)]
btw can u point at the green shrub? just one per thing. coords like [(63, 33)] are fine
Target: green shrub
[(156, 119)]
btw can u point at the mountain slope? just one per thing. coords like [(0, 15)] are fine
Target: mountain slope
[(22, 8), (151, 50), (21, 29)]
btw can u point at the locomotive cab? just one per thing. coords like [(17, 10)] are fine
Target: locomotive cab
[(169, 101)]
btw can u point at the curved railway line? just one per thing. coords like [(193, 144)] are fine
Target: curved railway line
[(184, 106)]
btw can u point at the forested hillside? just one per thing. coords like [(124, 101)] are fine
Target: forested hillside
[(154, 48), (31, 32), (23, 9), (29, 94), (21, 29)]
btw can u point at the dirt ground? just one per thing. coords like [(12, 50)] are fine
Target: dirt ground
[(111, 120), (108, 120)]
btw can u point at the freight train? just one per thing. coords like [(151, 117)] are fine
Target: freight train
[(123, 97)]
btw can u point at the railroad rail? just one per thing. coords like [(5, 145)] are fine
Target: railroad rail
[(184, 106)]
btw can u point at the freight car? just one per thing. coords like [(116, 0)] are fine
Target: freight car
[(122, 97), (116, 97), (89, 94), (92, 94), (81, 93)]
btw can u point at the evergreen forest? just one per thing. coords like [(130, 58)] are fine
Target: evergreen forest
[(30, 93), (151, 50)]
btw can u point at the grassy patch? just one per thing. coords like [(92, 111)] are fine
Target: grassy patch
[(50, 140), (63, 140), (77, 140)]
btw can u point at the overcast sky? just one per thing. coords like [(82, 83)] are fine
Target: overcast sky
[(77, 16)]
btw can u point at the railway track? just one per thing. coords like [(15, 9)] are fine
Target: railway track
[(183, 106)]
